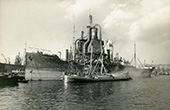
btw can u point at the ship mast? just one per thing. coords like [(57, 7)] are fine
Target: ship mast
[(25, 51), (135, 54), (74, 49)]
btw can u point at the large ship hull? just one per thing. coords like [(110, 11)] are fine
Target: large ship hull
[(43, 74), (7, 68), (41, 66), (140, 72)]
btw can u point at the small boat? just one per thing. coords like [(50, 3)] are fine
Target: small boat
[(23, 81), (13, 77), (89, 57), (21, 76), (12, 73), (8, 78)]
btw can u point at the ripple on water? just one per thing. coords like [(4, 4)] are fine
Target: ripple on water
[(137, 94)]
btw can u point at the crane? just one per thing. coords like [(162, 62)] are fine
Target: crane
[(4, 58)]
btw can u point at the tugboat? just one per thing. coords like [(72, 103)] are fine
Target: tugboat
[(92, 60), (21, 75), (8, 78)]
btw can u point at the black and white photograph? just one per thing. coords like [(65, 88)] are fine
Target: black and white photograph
[(84, 54)]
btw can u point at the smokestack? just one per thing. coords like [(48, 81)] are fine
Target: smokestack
[(96, 33), (82, 34), (144, 62), (67, 54), (135, 54), (71, 54), (108, 53), (91, 19), (117, 56)]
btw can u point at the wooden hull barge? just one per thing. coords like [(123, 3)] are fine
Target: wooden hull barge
[(102, 78)]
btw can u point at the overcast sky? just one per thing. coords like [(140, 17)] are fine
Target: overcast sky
[(48, 24)]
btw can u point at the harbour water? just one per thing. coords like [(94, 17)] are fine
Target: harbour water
[(136, 94)]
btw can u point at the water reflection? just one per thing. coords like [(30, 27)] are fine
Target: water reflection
[(90, 95), (8, 85), (90, 91), (43, 95), (141, 93)]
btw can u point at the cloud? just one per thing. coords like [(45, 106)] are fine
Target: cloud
[(123, 21), (74, 11), (153, 27), (141, 23), (156, 19), (134, 30), (65, 4), (118, 15), (146, 22), (117, 22)]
